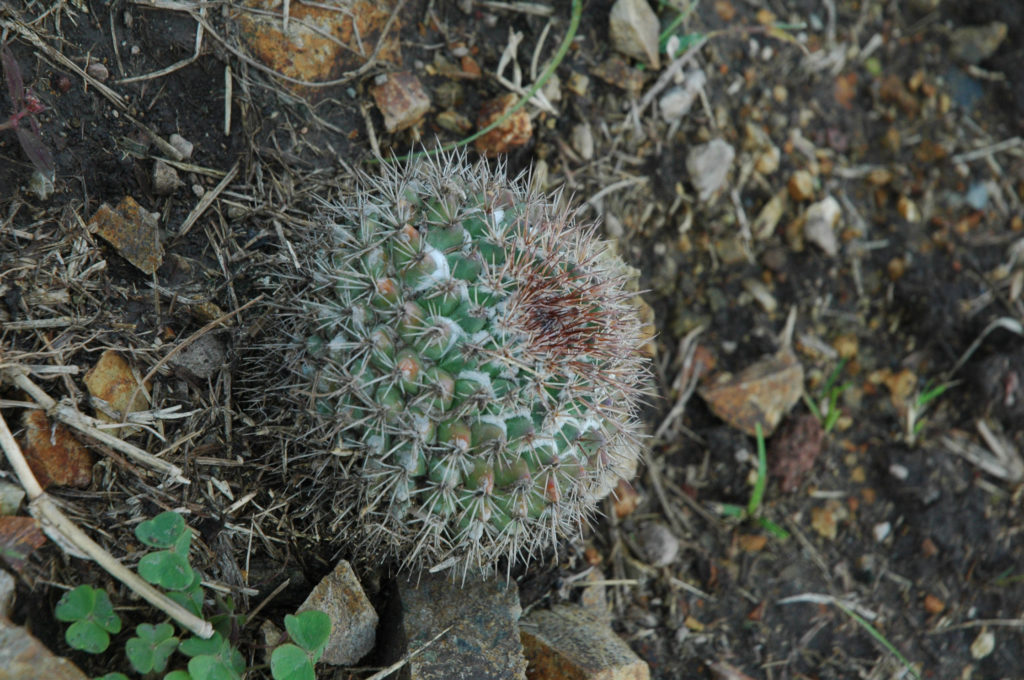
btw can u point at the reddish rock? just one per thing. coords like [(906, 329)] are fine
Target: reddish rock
[(514, 132), (402, 101)]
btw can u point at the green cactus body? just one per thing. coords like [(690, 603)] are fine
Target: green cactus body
[(479, 354)]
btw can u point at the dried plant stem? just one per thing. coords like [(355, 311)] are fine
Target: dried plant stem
[(66, 534), (88, 426)]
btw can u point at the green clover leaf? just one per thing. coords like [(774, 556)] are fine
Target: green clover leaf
[(152, 647), (288, 662), (93, 616), (162, 531), (309, 630)]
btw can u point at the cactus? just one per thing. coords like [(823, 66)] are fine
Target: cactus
[(474, 354)]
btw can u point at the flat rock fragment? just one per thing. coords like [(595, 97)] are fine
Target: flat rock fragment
[(567, 642), (202, 358), (513, 132), (820, 222), (974, 44), (23, 657), (354, 629), (53, 454), (633, 27), (482, 642), (708, 165), (113, 381), (762, 393), (133, 232), (402, 100), (317, 42)]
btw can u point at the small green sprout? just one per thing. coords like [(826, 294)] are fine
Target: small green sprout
[(752, 511), (168, 568), (916, 420), (93, 616), (309, 631), (828, 413), (153, 645)]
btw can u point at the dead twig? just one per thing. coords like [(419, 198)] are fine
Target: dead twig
[(73, 540)]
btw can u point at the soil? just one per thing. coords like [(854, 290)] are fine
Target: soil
[(884, 522)]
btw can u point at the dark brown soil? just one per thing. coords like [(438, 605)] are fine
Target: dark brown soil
[(898, 528)]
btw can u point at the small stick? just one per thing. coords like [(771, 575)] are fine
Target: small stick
[(72, 539), (89, 426)]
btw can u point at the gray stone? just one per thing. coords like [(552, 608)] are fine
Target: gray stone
[(633, 27), (165, 178), (569, 643), (820, 225), (354, 619), (659, 545), (483, 641), (22, 657), (6, 591), (708, 164), (974, 44)]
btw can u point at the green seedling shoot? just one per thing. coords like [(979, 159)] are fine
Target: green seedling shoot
[(828, 413), (752, 511), (93, 618)]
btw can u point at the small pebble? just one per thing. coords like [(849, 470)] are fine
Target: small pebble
[(659, 545), (900, 472), (708, 165), (801, 186), (820, 225), (98, 71), (182, 145), (977, 195), (983, 644), (881, 531), (582, 141), (165, 178)]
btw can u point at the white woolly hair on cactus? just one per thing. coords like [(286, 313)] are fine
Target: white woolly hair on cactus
[(473, 352)]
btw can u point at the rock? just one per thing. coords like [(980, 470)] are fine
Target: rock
[(616, 72), (54, 455), (801, 186), (766, 221), (762, 393), (578, 84), (6, 591), (659, 545), (202, 358), (582, 141), (567, 642), (22, 657), (165, 178), (400, 97), (112, 380), (482, 642), (633, 28), (678, 101), (340, 596), (40, 185), (514, 132), (793, 451), (271, 635), (11, 496), (183, 146), (453, 121), (768, 160), (983, 645), (318, 42), (708, 165), (974, 44), (820, 222), (134, 232), (98, 70)]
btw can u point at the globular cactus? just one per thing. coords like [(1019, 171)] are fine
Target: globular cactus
[(475, 354)]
